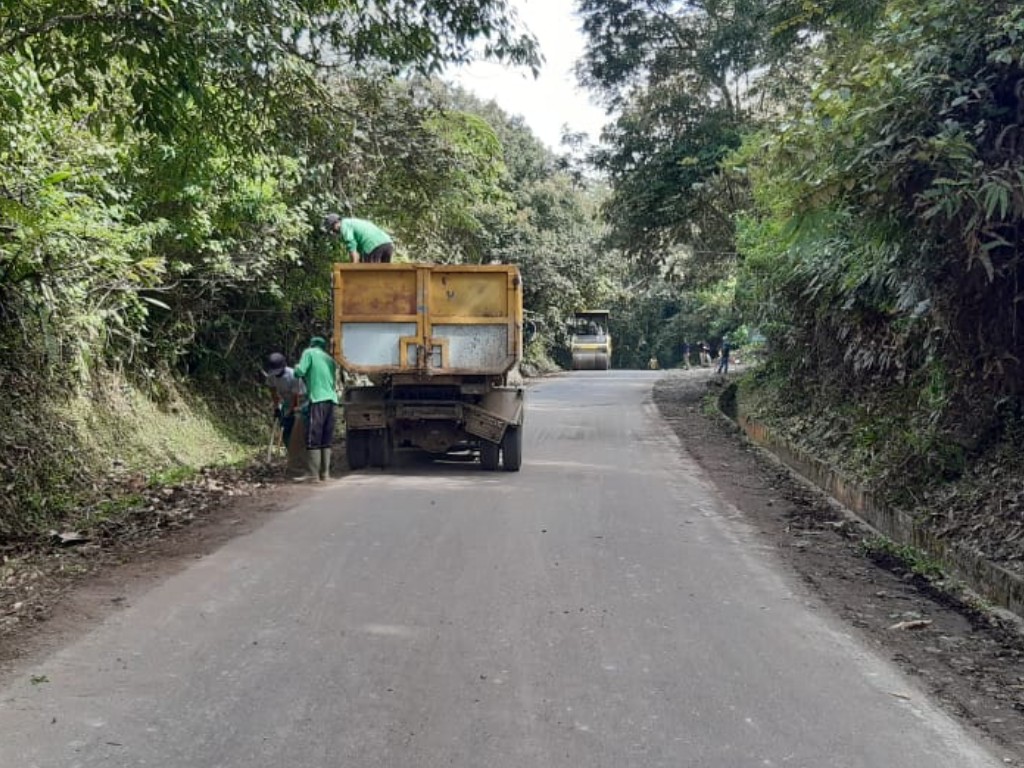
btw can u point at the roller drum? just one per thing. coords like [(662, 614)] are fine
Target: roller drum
[(590, 361)]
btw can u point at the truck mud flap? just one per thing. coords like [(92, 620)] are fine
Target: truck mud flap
[(484, 424)]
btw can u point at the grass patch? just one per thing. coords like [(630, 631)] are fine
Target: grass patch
[(110, 508), (887, 553), (173, 475), (66, 453), (537, 361)]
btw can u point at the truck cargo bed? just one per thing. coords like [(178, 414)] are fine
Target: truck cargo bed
[(428, 320)]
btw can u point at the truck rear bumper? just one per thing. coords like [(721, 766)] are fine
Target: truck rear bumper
[(419, 422)]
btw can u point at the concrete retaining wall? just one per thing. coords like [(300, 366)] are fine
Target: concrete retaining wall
[(993, 582)]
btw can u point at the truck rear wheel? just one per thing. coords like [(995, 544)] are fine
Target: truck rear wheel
[(380, 448), (512, 449), (490, 455), (357, 448)]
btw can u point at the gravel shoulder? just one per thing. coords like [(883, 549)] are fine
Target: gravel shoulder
[(970, 658)]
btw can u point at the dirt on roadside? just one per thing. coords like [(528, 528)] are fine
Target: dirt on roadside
[(970, 658), (53, 588)]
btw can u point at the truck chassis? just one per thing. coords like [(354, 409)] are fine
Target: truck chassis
[(437, 419)]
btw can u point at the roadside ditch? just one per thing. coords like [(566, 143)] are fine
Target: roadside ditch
[(969, 656)]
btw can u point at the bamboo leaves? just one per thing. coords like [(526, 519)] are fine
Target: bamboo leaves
[(885, 250)]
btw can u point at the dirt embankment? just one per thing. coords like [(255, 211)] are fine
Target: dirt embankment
[(970, 658), (963, 484)]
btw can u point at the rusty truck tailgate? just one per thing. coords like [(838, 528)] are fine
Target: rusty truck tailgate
[(427, 319)]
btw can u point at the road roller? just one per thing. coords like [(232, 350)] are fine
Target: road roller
[(589, 341)]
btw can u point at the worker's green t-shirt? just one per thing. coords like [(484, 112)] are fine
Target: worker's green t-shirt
[(317, 368), (362, 236)]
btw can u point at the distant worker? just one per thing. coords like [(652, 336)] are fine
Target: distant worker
[(318, 370), (593, 329), (686, 354), (365, 241), (723, 361), (705, 353), (288, 392), (653, 363)]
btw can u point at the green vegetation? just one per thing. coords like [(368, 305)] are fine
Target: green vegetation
[(887, 552), (885, 255), (163, 171), (848, 180), (839, 183), (61, 452)]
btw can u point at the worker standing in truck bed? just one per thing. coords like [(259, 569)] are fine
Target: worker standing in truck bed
[(365, 241)]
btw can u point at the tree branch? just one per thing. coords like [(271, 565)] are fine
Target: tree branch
[(55, 22)]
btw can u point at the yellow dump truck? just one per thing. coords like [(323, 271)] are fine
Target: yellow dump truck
[(589, 341), (440, 347)]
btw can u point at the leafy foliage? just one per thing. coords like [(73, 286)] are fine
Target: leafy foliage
[(180, 59), (680, 75), (886, 247), (652, 317), (164, 167), (73, 264), (858, 167)]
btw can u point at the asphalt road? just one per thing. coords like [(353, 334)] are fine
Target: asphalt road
[(603, 608)]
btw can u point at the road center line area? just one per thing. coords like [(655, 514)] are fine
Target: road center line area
[(601, 608)]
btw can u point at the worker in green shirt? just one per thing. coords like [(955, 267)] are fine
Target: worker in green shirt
[(317, 370), (365, 241)]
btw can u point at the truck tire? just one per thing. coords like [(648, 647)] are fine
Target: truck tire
[(380, 449), (512, 449), (357, 448), (490, 455)]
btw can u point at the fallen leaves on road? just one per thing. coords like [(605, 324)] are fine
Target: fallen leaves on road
[(130, 515)]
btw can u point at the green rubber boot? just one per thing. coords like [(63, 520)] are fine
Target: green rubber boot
[(313, 457), (325, 463)]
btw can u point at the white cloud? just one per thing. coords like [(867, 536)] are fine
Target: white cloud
[(554, 99)]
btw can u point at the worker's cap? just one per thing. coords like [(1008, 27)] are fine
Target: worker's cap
[(318, 341), (331, 220), (275, 363)]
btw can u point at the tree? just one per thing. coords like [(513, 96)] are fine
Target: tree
[(179, 59), (202, 140), (680, 74)]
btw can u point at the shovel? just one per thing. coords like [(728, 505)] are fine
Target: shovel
[(275, 433)]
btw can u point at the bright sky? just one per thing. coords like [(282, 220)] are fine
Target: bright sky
[(554, 99)]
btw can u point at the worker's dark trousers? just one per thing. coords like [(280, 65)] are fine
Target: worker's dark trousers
[(321, 425), (380, 255), (287, 425)]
